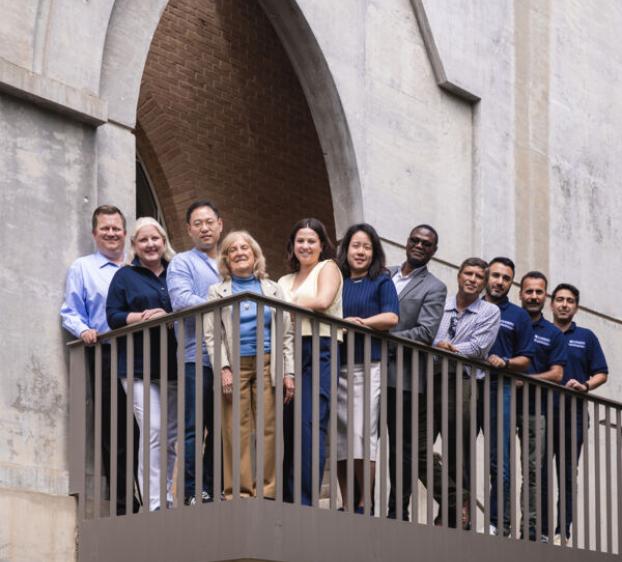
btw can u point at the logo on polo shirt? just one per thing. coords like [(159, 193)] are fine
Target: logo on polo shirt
[(576, 343), (541, 340), (507, 325)]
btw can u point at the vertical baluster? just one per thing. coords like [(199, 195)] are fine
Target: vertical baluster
[(562, 464), (181, 421), (114, 421), (315, 415), (298, 413), (366, 425), (198, 408), (348, 501), (500, 459), (445, 439), (78, 452), (235, 364), (384, 434), (618, 430), (399, 457), (487, 438), (550, 517), (597, 477), (217, 393), (278, 379), (334, 375), (414, 432), (146, 436), (429, 438), (539, 446), (129, 424), (97, 393), (259, 424), (608, 484), (513, 464), (587, 541), (527, 484), (573, 471), (164, 413), (460, 452)]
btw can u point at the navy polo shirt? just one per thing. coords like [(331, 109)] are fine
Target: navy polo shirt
[(585, 356), (133, 289), (515, 336), (550, 349)]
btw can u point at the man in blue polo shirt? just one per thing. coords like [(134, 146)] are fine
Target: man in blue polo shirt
[(513, 350), (83, 315), (189, 277), (547, 364), (586, 369)]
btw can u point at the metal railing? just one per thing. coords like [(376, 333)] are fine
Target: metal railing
[(433, 376)]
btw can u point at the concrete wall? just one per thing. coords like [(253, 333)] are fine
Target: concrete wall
[(494, 120)]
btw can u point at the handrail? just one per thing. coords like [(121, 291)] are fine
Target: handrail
[(342, 324)]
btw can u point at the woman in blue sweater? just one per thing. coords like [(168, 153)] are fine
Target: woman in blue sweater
[(137, 293), (370, 300), (243, 269)]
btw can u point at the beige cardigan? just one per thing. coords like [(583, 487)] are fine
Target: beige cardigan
[(268, 289)]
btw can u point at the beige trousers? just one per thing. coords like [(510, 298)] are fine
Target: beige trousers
[(248, 409)]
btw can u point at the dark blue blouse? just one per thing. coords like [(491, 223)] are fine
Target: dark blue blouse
[(133, 289), (367, 297)]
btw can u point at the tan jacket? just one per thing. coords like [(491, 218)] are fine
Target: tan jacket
[(268, 289)]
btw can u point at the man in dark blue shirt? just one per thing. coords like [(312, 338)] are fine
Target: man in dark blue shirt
[(547, 364), (513, 350), (586, 369)]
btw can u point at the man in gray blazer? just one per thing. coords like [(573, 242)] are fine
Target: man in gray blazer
[(422, 299)]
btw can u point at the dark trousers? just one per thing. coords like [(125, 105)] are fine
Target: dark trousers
[(121, 457), (451, 437), (190, 430), (569, 474), (307, 426)]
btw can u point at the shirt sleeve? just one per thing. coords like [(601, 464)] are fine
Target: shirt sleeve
[(117, 302), (598, 363), (389, 301), (525, 346), (483, 335), (181, 286), (559, 351), (74, 317)]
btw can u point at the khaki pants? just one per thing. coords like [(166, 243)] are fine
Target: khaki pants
[(248, 402)]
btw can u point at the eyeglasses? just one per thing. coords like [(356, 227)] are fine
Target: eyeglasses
[(453, 324), (415, 241)]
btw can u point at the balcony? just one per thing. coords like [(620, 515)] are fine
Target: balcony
[(238, 528)]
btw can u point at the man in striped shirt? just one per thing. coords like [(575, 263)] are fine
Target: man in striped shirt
[(469, 328)]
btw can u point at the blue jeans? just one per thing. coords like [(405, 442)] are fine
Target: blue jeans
[(189, 424), (306, 437), (503, 425)]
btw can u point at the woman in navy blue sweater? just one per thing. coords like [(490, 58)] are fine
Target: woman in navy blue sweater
[(137, 293), (370, 300)]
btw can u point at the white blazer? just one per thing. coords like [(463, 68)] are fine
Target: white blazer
[(269, 289)]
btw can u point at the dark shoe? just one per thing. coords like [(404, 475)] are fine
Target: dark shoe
[(360, 509)]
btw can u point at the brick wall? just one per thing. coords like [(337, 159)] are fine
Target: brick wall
[(222, 115)]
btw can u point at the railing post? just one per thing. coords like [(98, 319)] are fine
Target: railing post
[(114, 429), (164, 411), (259, 400), (334, 374), (198, 408), (97, 442), (384, 432), (181, 419), (77, 426), (146, 436)]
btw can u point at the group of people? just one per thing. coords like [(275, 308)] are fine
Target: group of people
[(109, 289)]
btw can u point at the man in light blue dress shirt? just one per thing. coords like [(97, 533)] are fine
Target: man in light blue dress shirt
[(83, 315), (189, 277)]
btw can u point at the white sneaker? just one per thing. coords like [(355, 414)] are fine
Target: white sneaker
[(557, 539), (544, 538), (492, 530)]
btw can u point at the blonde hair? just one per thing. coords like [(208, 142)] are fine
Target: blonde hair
[(150, 221), (259, 269)]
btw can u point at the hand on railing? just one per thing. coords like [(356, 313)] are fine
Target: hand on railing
[(447, 346), (89, 337)]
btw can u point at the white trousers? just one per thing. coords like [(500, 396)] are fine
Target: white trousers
[(358, 374), (154, 438)]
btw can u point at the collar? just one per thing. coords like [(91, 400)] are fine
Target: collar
[(136, 264), (101, 260), (451, 306), (505, 302), (203, 255), (414, 272)]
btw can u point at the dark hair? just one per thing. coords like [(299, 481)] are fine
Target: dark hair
[(378, 259), (430, 228), (106, 210), (504, 261), (473, 262), (534, 275), (567, 287), (197, 205), (328, 250)]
